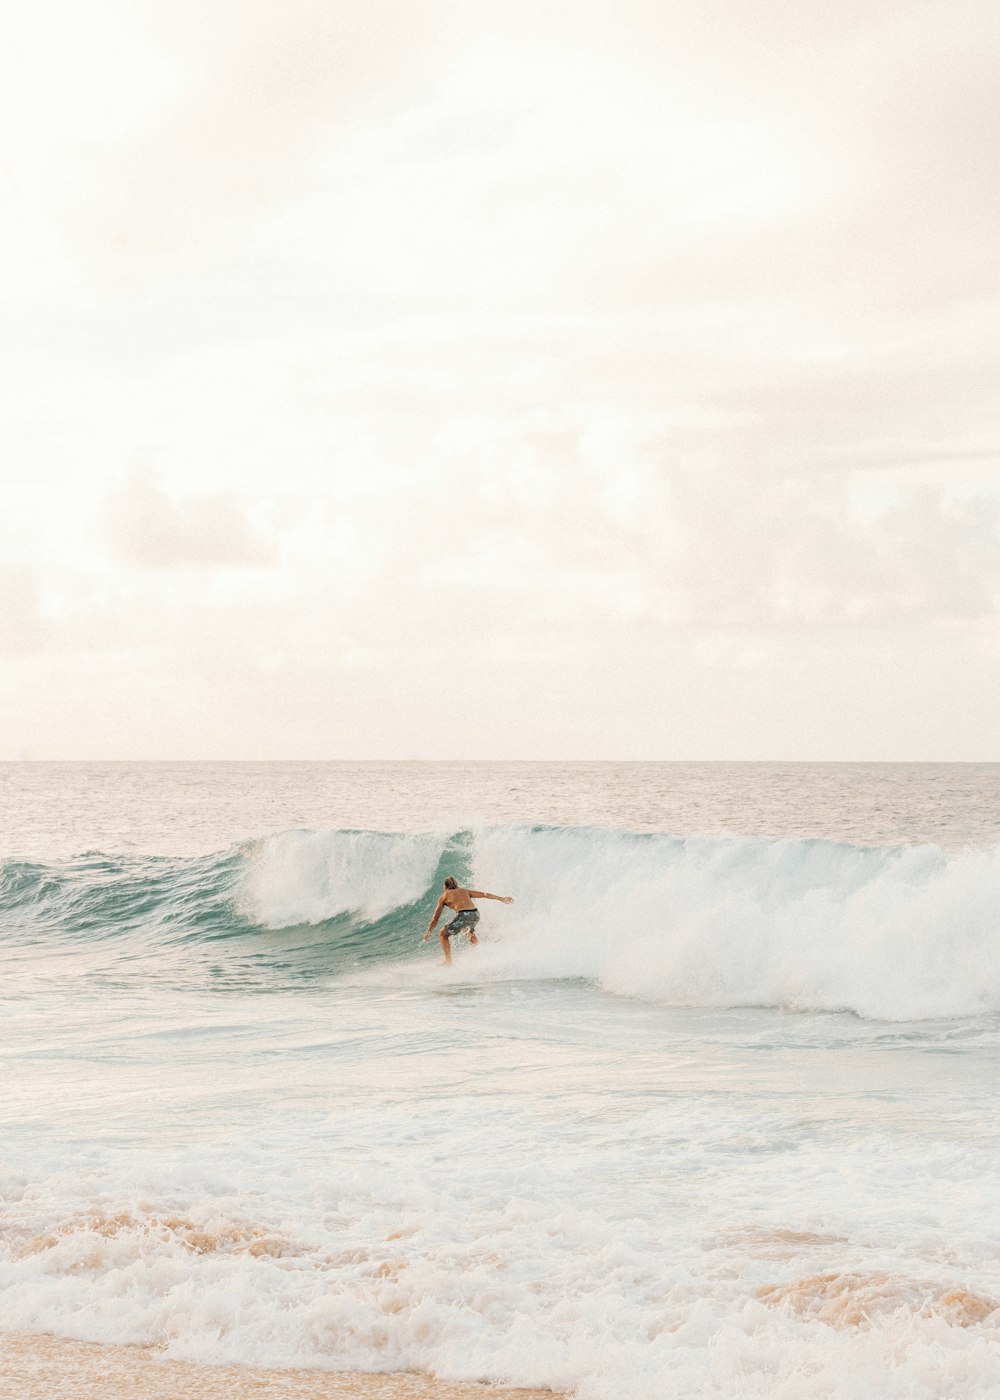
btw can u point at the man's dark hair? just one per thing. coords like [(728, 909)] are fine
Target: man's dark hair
[(451, 883)]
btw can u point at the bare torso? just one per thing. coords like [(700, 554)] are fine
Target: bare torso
[(460, 899)]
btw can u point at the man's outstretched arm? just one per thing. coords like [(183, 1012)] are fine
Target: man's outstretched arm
[(437, 915), (484, 894)]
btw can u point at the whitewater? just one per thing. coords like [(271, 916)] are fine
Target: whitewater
[(710, 1112)]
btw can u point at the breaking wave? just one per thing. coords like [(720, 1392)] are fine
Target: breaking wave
[(904, 933)]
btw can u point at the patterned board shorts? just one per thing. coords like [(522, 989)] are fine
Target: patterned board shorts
[(464, 921)]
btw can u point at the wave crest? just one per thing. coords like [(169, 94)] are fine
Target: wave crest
[(310, 877), (889, 933), (906, 933)]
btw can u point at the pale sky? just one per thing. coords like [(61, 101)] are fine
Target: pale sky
[(384, 378)]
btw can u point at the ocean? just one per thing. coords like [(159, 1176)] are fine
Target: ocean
[(711, 1111)]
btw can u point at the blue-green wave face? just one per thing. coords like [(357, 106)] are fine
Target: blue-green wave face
[(289, 908)]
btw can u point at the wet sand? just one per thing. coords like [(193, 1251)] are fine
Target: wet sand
[(51, 1368)]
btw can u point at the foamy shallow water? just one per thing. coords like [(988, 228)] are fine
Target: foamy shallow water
[(702, 1118)]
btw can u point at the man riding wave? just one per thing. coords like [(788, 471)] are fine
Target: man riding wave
[(466, 914)]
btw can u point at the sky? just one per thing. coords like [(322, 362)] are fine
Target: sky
[(404, 379)]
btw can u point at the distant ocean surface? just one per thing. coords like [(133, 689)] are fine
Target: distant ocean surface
[(711, 1112)]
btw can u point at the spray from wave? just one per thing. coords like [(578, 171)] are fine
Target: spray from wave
[(889, 933)]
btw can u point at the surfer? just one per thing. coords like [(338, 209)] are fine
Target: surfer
[(466, 914)]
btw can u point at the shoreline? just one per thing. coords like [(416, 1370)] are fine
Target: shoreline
[(45, 1367)]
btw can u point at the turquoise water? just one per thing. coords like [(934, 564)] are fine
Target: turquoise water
[(712, 1110)]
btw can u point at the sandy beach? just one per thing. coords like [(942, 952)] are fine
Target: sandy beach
[(49, 1368)]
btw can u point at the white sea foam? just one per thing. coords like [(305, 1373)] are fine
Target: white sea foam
[(894, 934), (312, 876), (630, 1269)]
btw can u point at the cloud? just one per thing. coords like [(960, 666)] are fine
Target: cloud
[(235, 133), (800, 550), (146, 528), (23, 627), (644, 362)]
